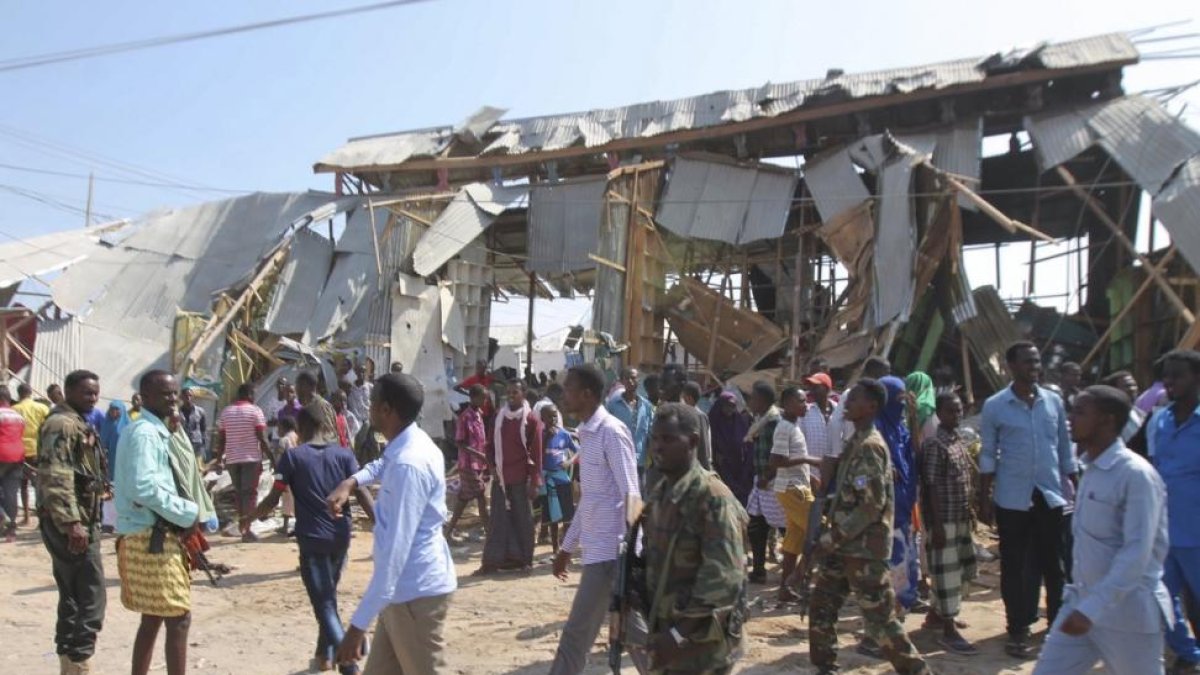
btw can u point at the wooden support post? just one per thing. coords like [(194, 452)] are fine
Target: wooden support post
[(633, 279), (716, 327), (1120, 236), (375, 242), (1133, 299), (968, 385), (797, 292), (529, 324)]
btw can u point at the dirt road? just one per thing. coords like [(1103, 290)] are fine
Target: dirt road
[(259, 622)]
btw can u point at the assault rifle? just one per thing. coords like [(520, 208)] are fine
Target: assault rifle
[(619, 605)]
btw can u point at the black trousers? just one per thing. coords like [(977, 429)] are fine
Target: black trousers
[(759, 532), (1031, 552), (81, 593)]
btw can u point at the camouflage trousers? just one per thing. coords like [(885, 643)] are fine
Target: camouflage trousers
[(869, 579)]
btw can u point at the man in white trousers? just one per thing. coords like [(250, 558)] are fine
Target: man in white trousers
[(1116, 607)]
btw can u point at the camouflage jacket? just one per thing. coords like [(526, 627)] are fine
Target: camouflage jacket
[(862, 507), (696, 584), (70, 481)]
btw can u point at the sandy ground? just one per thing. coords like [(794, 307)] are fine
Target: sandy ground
[(259, 620)]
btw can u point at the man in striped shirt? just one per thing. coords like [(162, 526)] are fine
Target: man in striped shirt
[(241, 446), (608, 474)]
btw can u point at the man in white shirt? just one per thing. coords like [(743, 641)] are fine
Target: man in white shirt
[(414, 575), (1117, 604), (607, 478), (875, 367), (789, 458)]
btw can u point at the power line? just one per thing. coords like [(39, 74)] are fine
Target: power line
[(87, 158), (122, 181), (34, 61)]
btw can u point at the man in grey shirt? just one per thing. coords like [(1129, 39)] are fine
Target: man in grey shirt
[(1115, 608)]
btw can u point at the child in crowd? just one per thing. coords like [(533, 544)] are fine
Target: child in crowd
[(557, 498), (471, 436), (289, 438)]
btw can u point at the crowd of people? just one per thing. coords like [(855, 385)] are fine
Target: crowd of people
[(876, 490)]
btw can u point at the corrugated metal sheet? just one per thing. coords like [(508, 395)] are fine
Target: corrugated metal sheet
[(1144, 139), (417, 342), (36, 256), (564, 225), (300, 284), (959, 151), (1178, 207), (353, 277), (1060, 136), (1088, 51), (723, 202), (471, 212), (357, 236), (834, 184), (56, 352), (895, 244), (597, 127)]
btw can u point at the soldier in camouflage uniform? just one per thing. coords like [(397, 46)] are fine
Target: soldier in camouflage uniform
[(694, 555), (70, 487), (854, 551)]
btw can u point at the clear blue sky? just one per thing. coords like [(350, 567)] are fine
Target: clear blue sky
[(254, 111)]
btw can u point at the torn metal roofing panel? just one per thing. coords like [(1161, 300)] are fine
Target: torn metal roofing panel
[(959, 151), (834, 184), (473, 128), (471, 212), (895, 243), (726, 202), (299, 284), (56, 352), (390, 148), (417, 343), (597, 128), (1178, 207), (1060, 136), (353, 277), (1144, 139), (36, 256), (357, 236), (564, 225), (1087, 51)]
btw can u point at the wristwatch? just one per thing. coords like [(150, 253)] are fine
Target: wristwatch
[(679, 639)]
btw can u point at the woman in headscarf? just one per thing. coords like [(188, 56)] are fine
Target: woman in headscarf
[(733, 457), (115, 421), (890, 423), (924, 397)]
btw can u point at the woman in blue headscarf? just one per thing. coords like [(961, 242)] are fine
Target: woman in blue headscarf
[(890, 423), (115, 421)]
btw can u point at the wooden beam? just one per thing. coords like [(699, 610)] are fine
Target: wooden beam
[(1095, 207), (1012, 225), (1116, 320), (607, 263), (220, 320), (255, 347), (375, 242), (806, 114)]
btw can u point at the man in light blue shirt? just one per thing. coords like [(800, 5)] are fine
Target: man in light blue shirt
[(152, 519), (1115, 607), (414, 575), (1026, 455), (635, 412), (1173, 439)]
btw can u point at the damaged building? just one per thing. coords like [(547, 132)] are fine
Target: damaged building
[(744, 233)]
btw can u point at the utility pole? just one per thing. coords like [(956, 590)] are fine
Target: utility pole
[(87, 214)]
